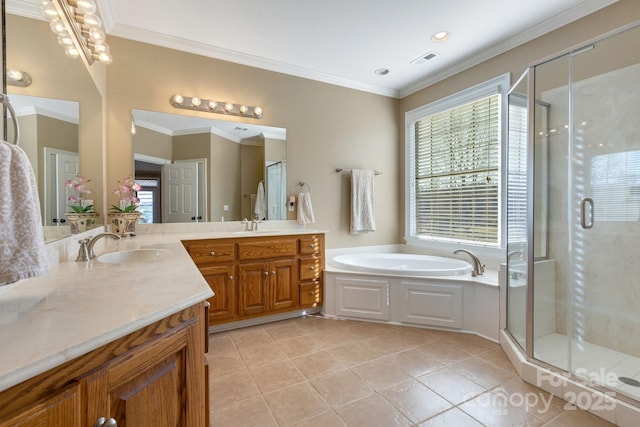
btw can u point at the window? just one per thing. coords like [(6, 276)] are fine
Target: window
[(615, 186), (454, 162)]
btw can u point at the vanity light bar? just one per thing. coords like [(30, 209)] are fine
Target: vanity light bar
[(211, 106)]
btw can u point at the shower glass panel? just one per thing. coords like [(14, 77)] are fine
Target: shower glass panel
[(586, 213)]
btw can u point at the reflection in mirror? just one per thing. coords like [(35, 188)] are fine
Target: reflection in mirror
[(33, 48), (49, 137), (197, 169)]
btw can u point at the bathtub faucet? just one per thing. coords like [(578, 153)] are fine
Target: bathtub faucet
[(478, 267)]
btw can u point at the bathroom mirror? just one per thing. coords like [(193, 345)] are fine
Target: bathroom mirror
[(200, 169), (58, 84)]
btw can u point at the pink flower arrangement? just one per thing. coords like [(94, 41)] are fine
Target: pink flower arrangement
[(128, 200), (82, 190)]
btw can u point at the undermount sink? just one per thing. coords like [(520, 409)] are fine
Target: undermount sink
[(134, 255)]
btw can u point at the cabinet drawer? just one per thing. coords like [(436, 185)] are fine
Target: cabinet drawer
[(310, 268), (210, 252), (266, 249), (310, 294), (310, 245)]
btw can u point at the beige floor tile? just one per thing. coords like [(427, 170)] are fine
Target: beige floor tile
[(300, 346), (443, 351), (415, 363), (482, 372), (381, 373), (415, 400), (228, 389), (225, 363), (262, 354), (451, 385), (577, 417), (296, 403), (363, 330), (276, 376), (220, 344), (494, 410), (532, 399), (384, 345), (334, 338), (317, 364), (372, 411), (319, 323), (248, 413), (285, 331), (352, 354), (342, 387), (250, 337), (452, 418), (328, 419), (498, 358), (471, 343)]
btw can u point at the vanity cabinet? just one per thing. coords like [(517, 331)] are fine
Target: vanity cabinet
[(154, 376), (275, 274)]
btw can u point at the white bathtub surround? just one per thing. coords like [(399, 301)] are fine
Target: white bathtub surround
[(405, 264), (456, 302)]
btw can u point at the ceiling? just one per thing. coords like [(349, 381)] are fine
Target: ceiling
[(341, 41)]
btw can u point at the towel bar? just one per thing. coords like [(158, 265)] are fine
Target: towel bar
[(16, 130), (349, 170)]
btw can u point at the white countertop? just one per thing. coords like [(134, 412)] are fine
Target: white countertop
[(81, 306)]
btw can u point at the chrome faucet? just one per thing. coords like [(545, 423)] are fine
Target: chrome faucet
[(93, 241), (478, 267)]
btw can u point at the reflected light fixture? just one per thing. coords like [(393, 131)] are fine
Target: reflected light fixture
[(79, 29), (440, 36), (18, 78), (211, 106)]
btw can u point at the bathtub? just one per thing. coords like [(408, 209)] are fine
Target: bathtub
[(412, 290), (402, 264)]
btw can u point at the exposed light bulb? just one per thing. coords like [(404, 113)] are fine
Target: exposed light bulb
[(87, 7), (105, 58), (244, 109), (72, 52), (49, 11), (58, 28), (213, 105), (65, 41), (101, 47), (14, 74), (178, 99), (257, 112), (228, 107), (195, 101), (96, 34), (92, 21)]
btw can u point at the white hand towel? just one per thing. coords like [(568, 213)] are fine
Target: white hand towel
[(22, 251), (362, 204), (305, 210), (260, 210)]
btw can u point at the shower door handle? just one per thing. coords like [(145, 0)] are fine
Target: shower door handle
[(586, 213)]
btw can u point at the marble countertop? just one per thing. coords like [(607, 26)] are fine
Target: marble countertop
[(81, 306)]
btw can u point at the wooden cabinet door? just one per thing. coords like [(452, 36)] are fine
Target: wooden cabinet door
[(284, 284), (254, 289), (61, 410), (147, 388), (222, 282)]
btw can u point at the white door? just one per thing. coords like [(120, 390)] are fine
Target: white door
[(59, 167), (180, 192)]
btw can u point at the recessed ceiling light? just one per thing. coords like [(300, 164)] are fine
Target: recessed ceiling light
[(440, 36), (381, 72)]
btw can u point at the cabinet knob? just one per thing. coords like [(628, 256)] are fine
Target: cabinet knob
[(312, 268), (212, 253), (273, 273), (230, 277), (266, 274), (312, 245), (312, 293), (105, 422)]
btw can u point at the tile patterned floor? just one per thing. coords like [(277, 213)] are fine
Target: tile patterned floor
[(314, 371)]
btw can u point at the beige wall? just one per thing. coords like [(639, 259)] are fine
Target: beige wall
[(153, 143), (327, 126), (225, 179)]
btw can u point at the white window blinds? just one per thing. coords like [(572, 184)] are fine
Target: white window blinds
[(457, 174), (517, 171)]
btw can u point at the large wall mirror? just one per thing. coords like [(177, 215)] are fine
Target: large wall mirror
[(197, 169), (59, 113)]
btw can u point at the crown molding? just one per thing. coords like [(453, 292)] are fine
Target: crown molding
[(35, 110)]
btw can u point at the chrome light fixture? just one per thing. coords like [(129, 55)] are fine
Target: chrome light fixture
[(18, 78), (79, 29), (211, 106)]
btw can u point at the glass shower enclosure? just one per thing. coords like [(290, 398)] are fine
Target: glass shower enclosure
[(573, 213)]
